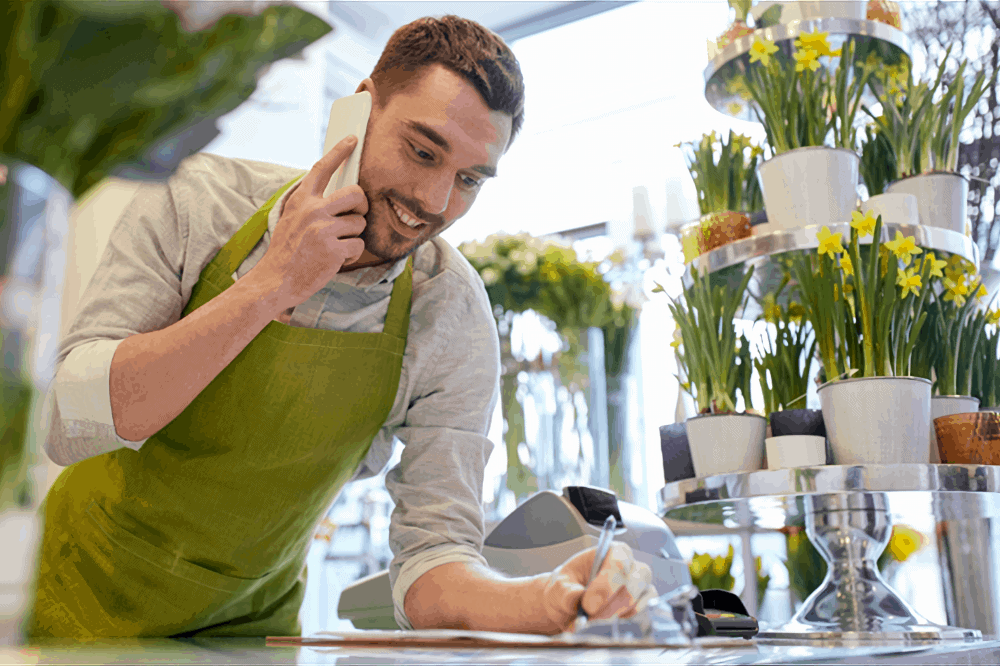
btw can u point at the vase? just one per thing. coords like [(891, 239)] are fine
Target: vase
[(809, 186), (800, 11), (877, 420), (895, 208), (942, 199), (713, 230), (969, 439), (677, 464), (726, 443), (945, 405), (795, 451)]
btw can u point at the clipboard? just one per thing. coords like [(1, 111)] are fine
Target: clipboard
[(454, 638)]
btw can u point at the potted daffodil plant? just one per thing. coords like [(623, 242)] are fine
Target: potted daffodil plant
[(724, 177), (867, 308), (924, 135), (986, 373), (807, 105), (717, 365)]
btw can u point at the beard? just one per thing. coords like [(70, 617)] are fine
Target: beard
[(384, 242)]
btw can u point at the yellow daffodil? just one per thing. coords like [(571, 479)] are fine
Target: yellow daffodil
[(903, 248), (865, 224), (806, 59), (909, 281), (734, 108), (761, 51), (829, 244), (796, 312), (956, 291), (677, 339), (772, 311), (846, 266), (936, 264), (883, 256), (904, 542), (719, 567), (816, 41), (993, 317), (981, 293)]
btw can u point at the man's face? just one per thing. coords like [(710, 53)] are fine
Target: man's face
[(427, 153)]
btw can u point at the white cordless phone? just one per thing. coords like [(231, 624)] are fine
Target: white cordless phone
[(349, 116)]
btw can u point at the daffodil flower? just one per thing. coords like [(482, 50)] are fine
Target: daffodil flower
[(993, 317), (772, 311), (981, 293), (807, 58), (829, 244), (865, 224), (761, 51), (796, 312), (677, 339), (817, 41), (936, 265), (883, 255), (846, 265), (956, 291), (909, 281), (903, 248)]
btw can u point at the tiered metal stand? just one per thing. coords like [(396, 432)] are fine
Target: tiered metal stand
[(847, 511)]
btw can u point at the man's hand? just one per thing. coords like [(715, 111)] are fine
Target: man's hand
[(315, 236), (621, 587)]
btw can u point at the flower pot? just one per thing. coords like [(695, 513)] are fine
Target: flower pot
[(798, 11), (809, 186), (942, 199), (885, 11), (795, 451), (677, 464), (895, 208), (969, 439), (798, 422), (713, 230), (726, 443), (945, 405), (877, 420)]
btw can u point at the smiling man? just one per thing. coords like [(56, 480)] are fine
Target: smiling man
[(247, 346)]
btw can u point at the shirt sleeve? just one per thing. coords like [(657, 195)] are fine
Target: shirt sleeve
[(135, 289), (438, 485)]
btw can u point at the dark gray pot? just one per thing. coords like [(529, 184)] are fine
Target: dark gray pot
[(677, 463), (798, 422)]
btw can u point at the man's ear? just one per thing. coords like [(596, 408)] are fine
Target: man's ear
[(368, 85)]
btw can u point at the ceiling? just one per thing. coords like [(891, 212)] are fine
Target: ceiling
[(511, 20)]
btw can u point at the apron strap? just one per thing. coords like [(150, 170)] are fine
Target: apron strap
[(397, 321), (232, 254)]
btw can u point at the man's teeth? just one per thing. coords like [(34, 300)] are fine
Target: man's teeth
[(406, 219)]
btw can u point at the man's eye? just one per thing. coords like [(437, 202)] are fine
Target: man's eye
[(421, 153), (471, 182)]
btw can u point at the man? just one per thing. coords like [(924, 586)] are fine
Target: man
[(247, 346)]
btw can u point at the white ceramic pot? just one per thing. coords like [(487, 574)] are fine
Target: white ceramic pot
[(809, 186), (990, 409), (797, 11), (895, 208), (878, 420), (942, 199), (795, 451), (726, 443), (20, 534), (946, 405)]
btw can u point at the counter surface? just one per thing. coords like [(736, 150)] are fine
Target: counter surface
[(254, 651)]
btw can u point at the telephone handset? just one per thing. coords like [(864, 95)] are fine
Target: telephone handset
[(348, 116)]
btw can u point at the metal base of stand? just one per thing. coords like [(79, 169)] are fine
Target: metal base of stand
[(854, 603)]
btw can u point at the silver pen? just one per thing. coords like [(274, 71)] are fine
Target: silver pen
[(603, 548)]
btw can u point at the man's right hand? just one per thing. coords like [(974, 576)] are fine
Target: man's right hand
[(315, 235)]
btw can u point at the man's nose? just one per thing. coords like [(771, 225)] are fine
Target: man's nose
[(434, 194)]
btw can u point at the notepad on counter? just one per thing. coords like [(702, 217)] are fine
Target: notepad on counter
[(465, 639)]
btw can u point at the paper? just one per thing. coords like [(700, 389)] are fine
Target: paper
[(466, 639)]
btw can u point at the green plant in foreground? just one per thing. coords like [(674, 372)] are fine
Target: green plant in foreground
[(727, 181), (784, 368)]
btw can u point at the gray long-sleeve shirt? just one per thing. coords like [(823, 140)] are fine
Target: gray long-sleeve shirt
[(448, 387)]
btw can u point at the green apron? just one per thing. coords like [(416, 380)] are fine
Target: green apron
[(205, 529)]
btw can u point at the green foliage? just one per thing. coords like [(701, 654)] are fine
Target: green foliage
[(878, 161), (727, 181), (713, 573), (15, 458), (91, 87), (784, 367)]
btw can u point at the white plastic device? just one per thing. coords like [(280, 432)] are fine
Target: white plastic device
[(348, 116)]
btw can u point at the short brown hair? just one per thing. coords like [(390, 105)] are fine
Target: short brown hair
[(463, 46)]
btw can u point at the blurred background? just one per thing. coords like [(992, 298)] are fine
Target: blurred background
[(611, 88)]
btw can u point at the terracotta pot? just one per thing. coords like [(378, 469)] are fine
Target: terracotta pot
[(969, 439), (945, 405), (885, 11), (713, 230)]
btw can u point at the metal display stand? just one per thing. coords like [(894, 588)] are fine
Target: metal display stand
[(848, 516)]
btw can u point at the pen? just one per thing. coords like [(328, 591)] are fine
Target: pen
[(603, 547)]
